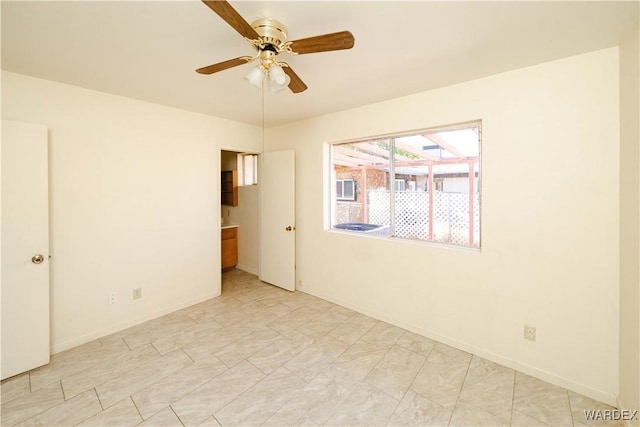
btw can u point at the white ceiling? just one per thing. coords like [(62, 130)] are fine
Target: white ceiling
[(149, 50)]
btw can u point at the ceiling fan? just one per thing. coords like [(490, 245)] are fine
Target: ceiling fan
[(269, 38)]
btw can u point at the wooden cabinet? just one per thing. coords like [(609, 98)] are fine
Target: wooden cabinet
[(229, 187), (229, 247)]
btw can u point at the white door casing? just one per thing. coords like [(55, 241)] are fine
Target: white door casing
[(25, 237), (277, 219)]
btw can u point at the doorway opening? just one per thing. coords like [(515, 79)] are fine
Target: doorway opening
[(239, 194)]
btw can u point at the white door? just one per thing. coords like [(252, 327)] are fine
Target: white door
[(25, 248), (277, 219)]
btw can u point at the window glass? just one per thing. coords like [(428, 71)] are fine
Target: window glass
[(247, 169), (435, 194)]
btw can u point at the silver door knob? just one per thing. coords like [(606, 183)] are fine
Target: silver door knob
[(37, 259)]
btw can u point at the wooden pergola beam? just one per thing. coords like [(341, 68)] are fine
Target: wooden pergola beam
[(417, 152), (359, 155), (444, 144)]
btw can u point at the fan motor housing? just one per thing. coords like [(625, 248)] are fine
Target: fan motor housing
[(271, 31)]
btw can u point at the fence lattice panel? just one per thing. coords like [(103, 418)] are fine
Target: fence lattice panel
[(450, 215)]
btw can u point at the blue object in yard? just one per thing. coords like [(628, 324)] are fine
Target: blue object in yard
[(364, 227)]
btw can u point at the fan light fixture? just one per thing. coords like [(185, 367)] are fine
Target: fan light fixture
[(269, 37), (275, 76), (268, 69)]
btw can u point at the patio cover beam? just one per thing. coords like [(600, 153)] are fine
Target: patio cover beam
[(444, 144)]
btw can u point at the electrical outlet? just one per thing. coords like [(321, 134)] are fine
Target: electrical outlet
[(112, 298), (137, 293), (299, 283), (529, 333)]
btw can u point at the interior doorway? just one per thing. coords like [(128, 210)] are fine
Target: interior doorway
[(239, 189)]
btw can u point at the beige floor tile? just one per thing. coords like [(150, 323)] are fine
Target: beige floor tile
[(365, 406), (453, 352), (70, 362), (210, 422), (489, 386), (113, 342), (206, 346), (246, 346), (27, 406), (466, 414), (383, 334), (315, 358), (303, 299), (353, 366), (260, 291), (150, 334), (209, 398), (296, 360), (416, 343), (541, 400), (338, 309), (294, 320), (280, 351), (193, 333), (518, 419), (441, 378), (137, 379), (396, 371), (352, 329), (417, 410), (581, 405), (276, 297), (229, 317), (69, 413), (14, 387), (323, 324), (136, 329), (262, 400), (163, 418), (120, 415), (312, 405), (268, 314), (173, 387), (209, 312), (100, 374)]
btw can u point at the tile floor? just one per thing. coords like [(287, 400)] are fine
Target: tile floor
[(259, 355)]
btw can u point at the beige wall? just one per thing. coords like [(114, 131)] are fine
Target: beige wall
[(134, 203), (629, 223), (550, 223)]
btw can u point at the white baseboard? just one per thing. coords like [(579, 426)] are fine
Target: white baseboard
[(248, 269), (628, 423)]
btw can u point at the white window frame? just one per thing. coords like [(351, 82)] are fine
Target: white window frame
[(438, 186), (247, 169), (340, 194)]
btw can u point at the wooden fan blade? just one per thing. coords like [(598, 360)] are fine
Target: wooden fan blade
[(233, 18), (296, 84), (210, 69), (324, 43)]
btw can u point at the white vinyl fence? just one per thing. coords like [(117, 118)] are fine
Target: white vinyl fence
[(450, 215)]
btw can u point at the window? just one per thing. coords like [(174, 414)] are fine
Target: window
[(345, 189), (395, 176), (247, 169)]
